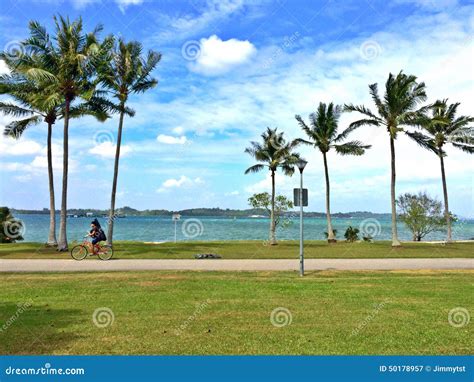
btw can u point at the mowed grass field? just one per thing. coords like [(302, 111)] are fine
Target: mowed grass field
[(252, 249), (325, 312)]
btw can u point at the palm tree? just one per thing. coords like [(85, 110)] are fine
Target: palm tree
[(398, 108), (127, 72), (443, 127), (323, 135), (65, 65), (273, 152), (32, 106), (31, 112)]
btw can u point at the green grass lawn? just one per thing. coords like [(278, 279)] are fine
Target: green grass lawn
[(229, 313), (252, 249)]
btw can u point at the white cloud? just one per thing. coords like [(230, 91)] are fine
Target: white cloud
[(218, 56), (170, 140), (107, 150), (214, 11), (10, 146), (178, 130), (3, 68), (124, 4), (434, 5), (182, 181)]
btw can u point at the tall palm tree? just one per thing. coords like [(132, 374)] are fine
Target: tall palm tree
[(443, 127), (323, 135), (398, 108), (65, 64), (128, 72), (32, 106), (273, 152)]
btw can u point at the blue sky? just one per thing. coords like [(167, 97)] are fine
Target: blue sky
[(229, 69)]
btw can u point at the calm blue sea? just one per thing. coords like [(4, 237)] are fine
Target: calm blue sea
[(217, 228)]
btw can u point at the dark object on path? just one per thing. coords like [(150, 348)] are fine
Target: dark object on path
[(207, 256)]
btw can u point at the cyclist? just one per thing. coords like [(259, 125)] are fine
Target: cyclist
[(97, 234)]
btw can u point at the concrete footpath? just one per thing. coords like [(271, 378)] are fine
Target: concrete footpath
[(53, 265)]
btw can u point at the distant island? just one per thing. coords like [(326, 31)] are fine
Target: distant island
[(217, 212)]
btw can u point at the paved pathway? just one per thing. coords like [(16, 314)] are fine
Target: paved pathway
[(53, 265)]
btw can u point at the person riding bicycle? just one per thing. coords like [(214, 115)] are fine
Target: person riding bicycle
[(97, 234)]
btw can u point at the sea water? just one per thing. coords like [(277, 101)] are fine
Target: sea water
[(208, 228)]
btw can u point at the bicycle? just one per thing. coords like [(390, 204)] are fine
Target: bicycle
[(86, 248)]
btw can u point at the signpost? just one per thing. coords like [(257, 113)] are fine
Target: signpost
[(300, 196), (175, 218)]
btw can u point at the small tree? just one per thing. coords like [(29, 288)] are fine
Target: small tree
[(421, 214), (11, 229), (264, 200), (351, 234)]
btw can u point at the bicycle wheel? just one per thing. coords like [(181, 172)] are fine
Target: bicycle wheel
[(105, 252), (79, 252)]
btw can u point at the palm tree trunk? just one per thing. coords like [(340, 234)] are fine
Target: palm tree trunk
[(272, 213), (331, 237), (395, 241), (445, 194), (62, 243), (110, 222), (52, 209)]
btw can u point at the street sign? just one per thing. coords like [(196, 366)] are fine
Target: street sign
[(296, 197), (175, 218)]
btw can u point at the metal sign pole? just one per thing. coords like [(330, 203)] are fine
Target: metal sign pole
[(175, 218), (301, 226)]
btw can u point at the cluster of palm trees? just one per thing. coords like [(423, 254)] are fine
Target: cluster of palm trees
[(400, 111), (69, 75)]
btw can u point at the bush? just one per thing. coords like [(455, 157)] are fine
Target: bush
[(421, 214), (351, 234), (11, 229)]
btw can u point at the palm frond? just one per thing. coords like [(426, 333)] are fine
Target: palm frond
[(352, 148), (255, 168), (16, 128)]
